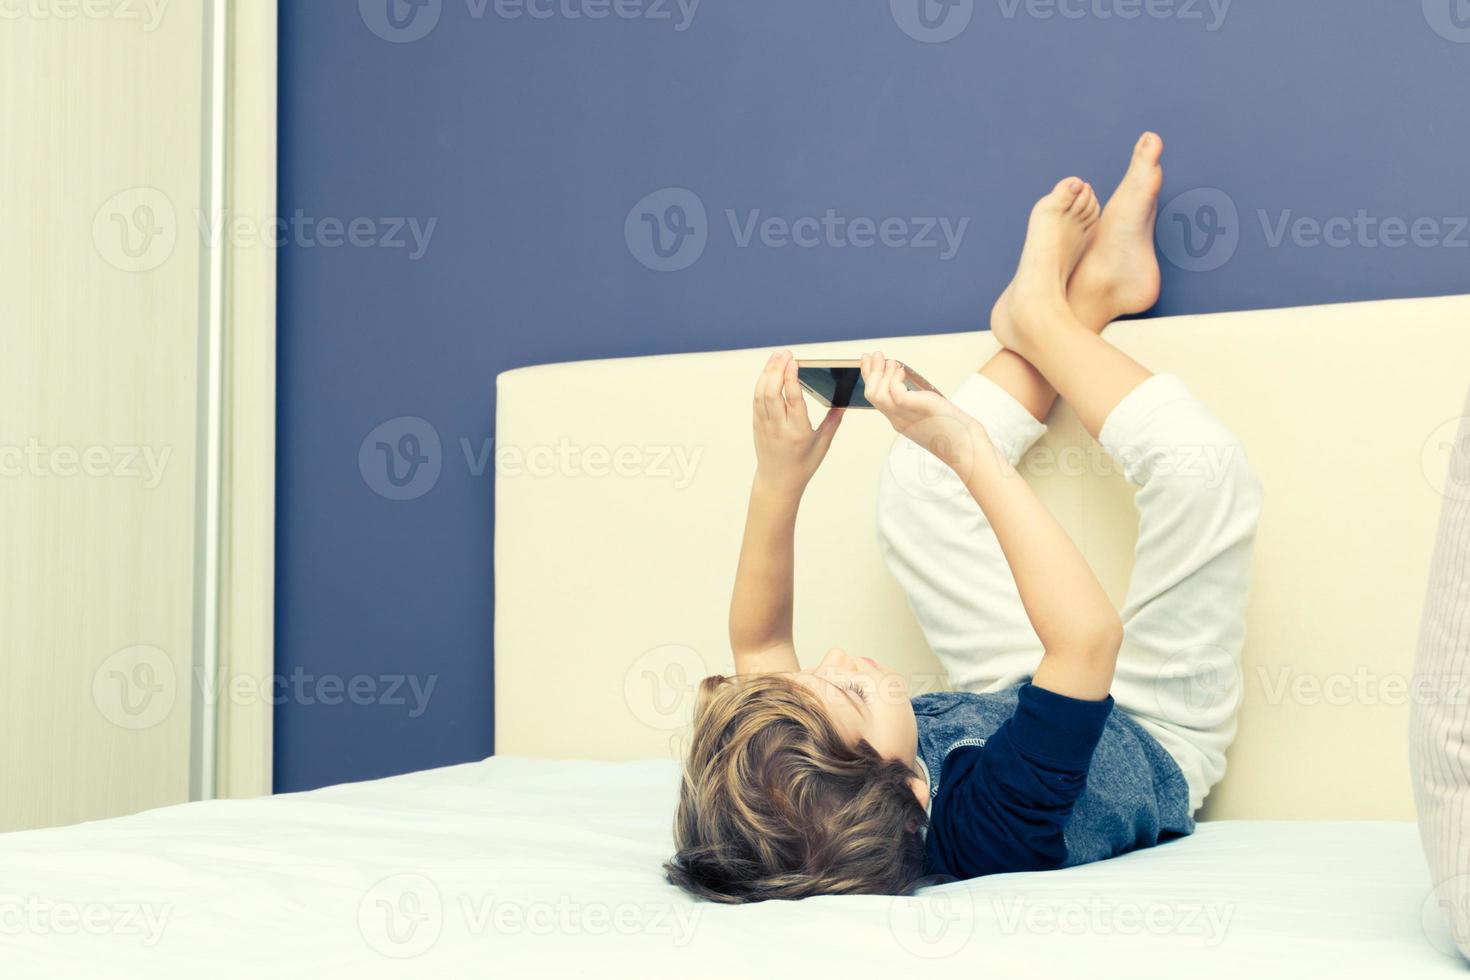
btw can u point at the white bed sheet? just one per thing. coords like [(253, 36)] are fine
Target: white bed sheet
[(515, 868)]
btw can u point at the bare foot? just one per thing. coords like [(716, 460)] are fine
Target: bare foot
[(1061, 226), (1119, 274)]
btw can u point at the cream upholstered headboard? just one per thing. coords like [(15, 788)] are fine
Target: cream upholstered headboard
[(620, 496)]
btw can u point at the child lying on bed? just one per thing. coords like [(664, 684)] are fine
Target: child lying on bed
[(831, 780)]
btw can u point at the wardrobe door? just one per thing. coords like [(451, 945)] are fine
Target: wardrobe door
[(103, 162)]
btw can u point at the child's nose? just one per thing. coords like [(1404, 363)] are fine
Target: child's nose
[(836, 657)]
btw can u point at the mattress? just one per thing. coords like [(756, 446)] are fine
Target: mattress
[(519, 868)]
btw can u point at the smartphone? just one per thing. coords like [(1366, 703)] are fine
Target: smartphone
[(839, 383)]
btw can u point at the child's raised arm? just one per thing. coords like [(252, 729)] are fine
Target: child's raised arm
[(1079, 629), (787, 451)]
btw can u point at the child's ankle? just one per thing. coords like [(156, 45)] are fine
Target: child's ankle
[(1093, 311), (1036, 324)]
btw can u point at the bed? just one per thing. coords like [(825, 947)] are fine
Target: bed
[(619, 491), (516, 867)]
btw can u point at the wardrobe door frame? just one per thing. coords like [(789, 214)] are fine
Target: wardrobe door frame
[(235, 591)]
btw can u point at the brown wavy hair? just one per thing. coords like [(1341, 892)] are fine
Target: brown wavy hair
[(775, 805)]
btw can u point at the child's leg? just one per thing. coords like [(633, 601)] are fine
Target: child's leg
[(935, 539), (1184, 616)]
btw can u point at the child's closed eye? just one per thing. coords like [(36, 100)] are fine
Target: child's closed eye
[(858, 690)]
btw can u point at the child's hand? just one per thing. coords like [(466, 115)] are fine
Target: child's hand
[(787, 449), (926, 417)]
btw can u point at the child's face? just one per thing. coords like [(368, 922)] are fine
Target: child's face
[(866, 701)]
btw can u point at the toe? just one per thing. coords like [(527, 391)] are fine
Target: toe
[(1144, 173), (1086, 201), (1064, 196), (1149, 148)]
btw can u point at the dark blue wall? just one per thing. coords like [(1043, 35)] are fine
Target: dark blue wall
[(530, 140)]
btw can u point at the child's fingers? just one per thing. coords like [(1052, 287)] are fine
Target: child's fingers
[(762, 382), (770, 389), (903, 396), (873, 378), (791, 390), (891, 370), (900, 381)]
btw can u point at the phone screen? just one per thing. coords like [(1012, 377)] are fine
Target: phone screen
[(840, 387)]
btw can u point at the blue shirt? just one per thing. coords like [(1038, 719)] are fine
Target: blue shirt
[(1029, 780)]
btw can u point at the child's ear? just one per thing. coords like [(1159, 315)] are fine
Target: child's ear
[(921, 791), (912, 826)]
